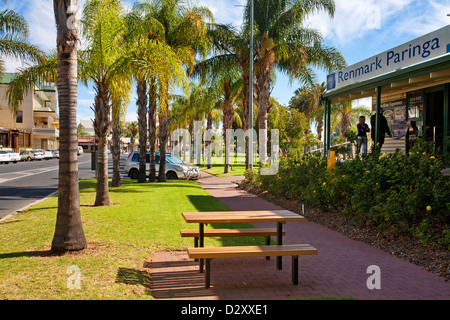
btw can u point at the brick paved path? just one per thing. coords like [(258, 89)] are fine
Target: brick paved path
[(339, 270)]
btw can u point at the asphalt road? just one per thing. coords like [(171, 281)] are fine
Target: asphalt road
[(24, 183)]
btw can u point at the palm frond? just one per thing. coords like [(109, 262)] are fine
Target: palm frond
[(27, 78)]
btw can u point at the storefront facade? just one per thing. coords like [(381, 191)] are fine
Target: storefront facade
[(410, 83)]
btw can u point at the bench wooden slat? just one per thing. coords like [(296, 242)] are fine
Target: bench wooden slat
[(293, 250), (251, 251), (253, 232)]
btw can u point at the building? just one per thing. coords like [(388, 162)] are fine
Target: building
[(410, 82), (36, 124)]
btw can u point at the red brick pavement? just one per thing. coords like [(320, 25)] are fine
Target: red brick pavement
[(339, 270)]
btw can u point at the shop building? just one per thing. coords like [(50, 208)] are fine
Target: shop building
[(36, 124), (410, 83)]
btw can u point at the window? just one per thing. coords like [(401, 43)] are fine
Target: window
[(19, 118)]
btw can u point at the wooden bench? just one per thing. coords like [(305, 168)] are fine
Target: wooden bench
[(209, 253), (254, 232)]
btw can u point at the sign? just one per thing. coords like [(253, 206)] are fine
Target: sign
[(427, 47)]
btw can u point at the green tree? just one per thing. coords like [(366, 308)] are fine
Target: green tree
[(69, 234), (185, 31), (102, 26), (282, 41), (14, 31)]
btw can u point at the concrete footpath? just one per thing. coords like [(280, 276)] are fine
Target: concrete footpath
[(341, 269)]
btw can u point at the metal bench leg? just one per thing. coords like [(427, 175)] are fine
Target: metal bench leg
[(279, 242), (196, 245), (268, 244), (295, 270), (207, 273), (202, 238)]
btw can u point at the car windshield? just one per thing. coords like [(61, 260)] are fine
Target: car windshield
[(173, 160)]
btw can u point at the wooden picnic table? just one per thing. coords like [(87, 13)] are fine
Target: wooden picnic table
[(278, 216)]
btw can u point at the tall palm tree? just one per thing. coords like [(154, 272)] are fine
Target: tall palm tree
[(232, 54), (120, 97), (307, 100), (102, 25), (69, 234), (142, 28), (282, 41), (185, 32)]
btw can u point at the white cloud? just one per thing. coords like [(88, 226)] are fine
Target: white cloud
[(353, 19), (226, 11)]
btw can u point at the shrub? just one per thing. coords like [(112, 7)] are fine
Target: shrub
[(396, 192)]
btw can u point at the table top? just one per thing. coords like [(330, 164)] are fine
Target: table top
[(241, 216)]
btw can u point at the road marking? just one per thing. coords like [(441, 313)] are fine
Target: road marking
[(4, 177)]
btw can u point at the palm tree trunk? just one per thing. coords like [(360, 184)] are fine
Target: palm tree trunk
[(227, 124), (263, 81), (102, 127), (163, 127), (142, 115), (116, 179), (69, 234), (246, 113), (152, 93), (208, 143), (263, 87)]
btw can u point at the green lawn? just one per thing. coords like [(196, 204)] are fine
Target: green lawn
[(145, 218), (236, 169)]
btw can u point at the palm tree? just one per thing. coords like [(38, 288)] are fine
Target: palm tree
[(307, 100), (60, 67), (14, 31), (69, 234), (120, 97), (141, 29), (232, 56), (282, 41), (102, 25), (186, 33)]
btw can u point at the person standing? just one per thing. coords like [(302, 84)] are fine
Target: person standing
[(361, 139), (384, 128)]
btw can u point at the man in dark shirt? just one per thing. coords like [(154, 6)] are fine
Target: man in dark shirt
[(384, 128)]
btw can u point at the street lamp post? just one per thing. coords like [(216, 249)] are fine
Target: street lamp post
[(250, 101)]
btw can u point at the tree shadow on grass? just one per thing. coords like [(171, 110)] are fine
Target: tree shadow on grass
[(207, 203), (134, 277), (30, 254)]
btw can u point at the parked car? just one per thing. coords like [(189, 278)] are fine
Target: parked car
[(26, 155), (38, 155), (175, 168), (55, 153), (80, 150), (14, 156), (5, 157), (30, 155), (47, 154)]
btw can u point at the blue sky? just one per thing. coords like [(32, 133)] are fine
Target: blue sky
[(360, 29)]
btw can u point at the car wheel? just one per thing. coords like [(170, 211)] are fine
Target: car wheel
[(171, 176), (134, 174)]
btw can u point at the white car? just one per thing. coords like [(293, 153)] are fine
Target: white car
[(80, 150), (14, 156), (38, 155), (175, 168), (47, 154), (4, 157)]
